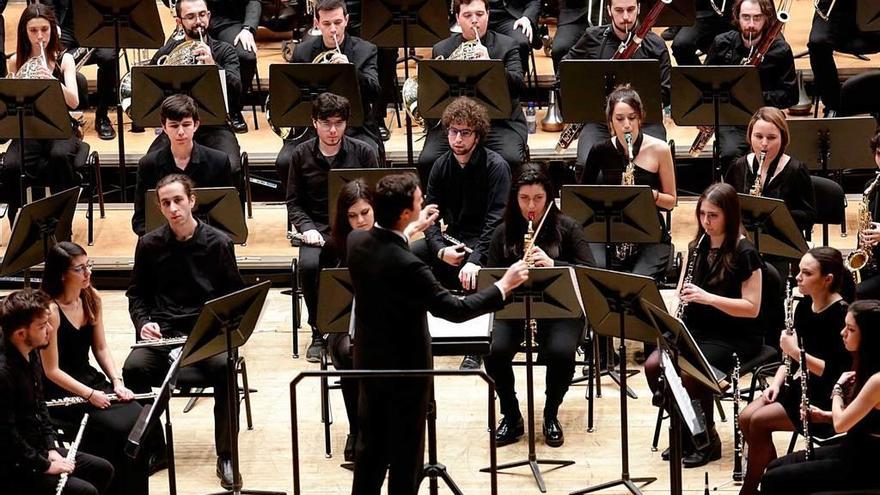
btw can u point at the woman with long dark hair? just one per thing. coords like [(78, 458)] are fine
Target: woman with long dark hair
[(855, 410), (560, 242), (723, 300), (823, 282), (76, 327)]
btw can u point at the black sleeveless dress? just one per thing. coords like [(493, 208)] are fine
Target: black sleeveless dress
[(73, 357)]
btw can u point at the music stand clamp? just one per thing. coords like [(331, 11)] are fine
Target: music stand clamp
[(549, 293)]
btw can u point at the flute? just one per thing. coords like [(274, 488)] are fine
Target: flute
[(75, 399), (455, 242), (166, 342), (71, 454)]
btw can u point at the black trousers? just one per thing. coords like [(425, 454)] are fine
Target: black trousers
[(557, 343), (698, 37), (870, 286), (566, 36), (48, 162), (106, 436), (91, 476), (106, 83), (596, 133), (502, 139), (504, 24), (147, 367), (838, 33), (830, 469), (218, 137), (391, 416), (340, 348), (311, 260), (386, 60), (247, 60), (445, 273)]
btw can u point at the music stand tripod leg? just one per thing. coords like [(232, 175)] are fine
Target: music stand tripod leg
[(433, 468)]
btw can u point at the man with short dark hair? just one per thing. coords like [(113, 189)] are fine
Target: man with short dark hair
[(394, 290), (307, 202), (182, 155), (30, 461)]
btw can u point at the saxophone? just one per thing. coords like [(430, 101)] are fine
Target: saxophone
[(789, 329), (758, 187), (688, 276), (738, 442), (805, 402), (626, 249), (863, 254)]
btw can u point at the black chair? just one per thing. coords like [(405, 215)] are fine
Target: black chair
[(859, 95), (832, 204), (244, 391)]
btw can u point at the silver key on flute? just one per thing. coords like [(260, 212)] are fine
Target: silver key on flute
[(169, 342), (74, 400)]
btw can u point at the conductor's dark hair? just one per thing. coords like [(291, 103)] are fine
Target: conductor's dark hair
[(327, 105), (328, 5), (185, 181), (178, 107), (394, 193), (19, 309), (456, 5)]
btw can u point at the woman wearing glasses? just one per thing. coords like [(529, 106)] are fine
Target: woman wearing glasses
[(77, 326)]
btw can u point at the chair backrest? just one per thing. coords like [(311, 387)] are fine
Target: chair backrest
[(830, 196), (859, 95)]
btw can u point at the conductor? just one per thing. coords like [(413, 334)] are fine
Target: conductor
[(393, 291)]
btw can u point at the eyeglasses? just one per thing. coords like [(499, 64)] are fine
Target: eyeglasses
[(191, 17), (464, 133), (89, 265), (327, 125)]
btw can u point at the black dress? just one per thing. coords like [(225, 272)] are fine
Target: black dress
[(821, 335), (108, 429)]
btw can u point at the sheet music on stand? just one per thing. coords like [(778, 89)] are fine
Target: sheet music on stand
[(691, 419)]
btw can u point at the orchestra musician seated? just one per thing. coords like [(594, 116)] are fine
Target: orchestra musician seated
[(711, 20), (517, 19), (206, 167), (307, 202), (560, 242), (177, 268), (869, 234)]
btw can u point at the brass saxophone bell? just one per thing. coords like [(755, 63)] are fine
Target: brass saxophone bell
[(552, 121), (804, 106)]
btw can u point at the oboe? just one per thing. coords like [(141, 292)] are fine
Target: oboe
[(75, 399), (738, 442), (166, 342), (805, 401), (789, 329), (71, 454)]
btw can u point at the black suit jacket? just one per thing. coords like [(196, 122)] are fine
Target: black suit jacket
[(393, 291), (571, 11), (515, 9), (227, 12), (504, 48)]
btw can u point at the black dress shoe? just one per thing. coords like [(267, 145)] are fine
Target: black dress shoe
[(471, 363), (316, 348), (224, 472), (137, 129), (238, 123), (553, 435), (384, 133), (348, 452), (508, 433), (687, 448), (104, 128), (709, 453)]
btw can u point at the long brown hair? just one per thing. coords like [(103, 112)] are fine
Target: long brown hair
[(59, 259), (23, 46), (776, 117), (724, 197)]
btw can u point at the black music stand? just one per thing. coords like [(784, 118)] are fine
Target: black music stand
[(407, 24), (595, 77), (32, 108), (339, 177), (293, 87), (485, 81), (549, 293), (225, 324), (813, 142), (615, 311), (611, 215), (37, 227), (218, 207), (118, 24), (680, 354), (151, 84), (868, 16), (715, 95), (771, 227)]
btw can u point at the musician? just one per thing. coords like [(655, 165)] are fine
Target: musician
[(517, 19), (652, 159), (713, 18), (560, 242), (76, 324), (818, 317), (307, 203), (105, 58), (723, 303), (855, 410), (781, 176), (206, 167), (177, 268), (570, 25), (869, 288), (30, 461), (235, 23), (194, 18), (394, 289), (331, 18), (600, 43), (507, 137), (49, 161), (753, 19), (839, 32)]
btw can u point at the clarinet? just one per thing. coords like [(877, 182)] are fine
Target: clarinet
[(805, 401), (737, 433), (75, 399), (789, 329), (71, 454), (688, 276)]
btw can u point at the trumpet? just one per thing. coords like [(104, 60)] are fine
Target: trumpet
[(164, 342), (823, 15), (758, 187), (75, 399)]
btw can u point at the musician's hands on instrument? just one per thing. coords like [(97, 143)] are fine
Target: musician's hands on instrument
[(818, 415), (99, 399), (313, 238), (540, 258), (871, 236), (454, 255), (58, 464), (771, 393), (246, 39), (151, 331), (514, 277), (426, 218), (339, 58), (789, 344), (482, 52), (525, 25), (124, 394), (204, 55), (468, 276), (44, 73), (690, 293)]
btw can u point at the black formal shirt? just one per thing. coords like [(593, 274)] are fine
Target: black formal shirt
[(792, 184), (207, 168), (471, 200), (225, 13), (224, 55), (563, 241), (26, 435), (307, 202), (776, 70), (601, 42), (171, 280)]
